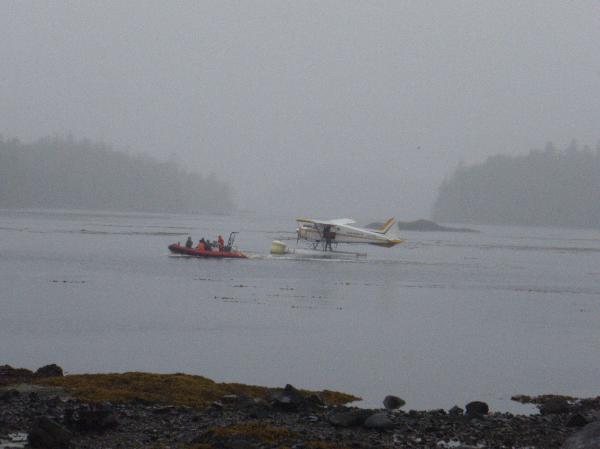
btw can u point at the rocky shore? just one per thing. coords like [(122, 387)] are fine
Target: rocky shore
[(45, 409)]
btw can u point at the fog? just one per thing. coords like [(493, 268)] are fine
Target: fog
[(337, 108)]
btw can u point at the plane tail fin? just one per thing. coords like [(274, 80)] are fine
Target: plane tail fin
[(385, 227), (388, 230)]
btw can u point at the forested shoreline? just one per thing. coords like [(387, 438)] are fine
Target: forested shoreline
[(547, 187), (62, 172)]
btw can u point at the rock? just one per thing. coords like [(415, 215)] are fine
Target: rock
[(315, 399), (576, 420), (393, 402), (52, 370), (351, 418), (258, 408), (586, 438), (9, 395), (48, 434), (379, 421), (87, 419), (210, 438), (290, 390), (288, 399), (260, 402), (455, 411), (555, 406), (8, 372), (259, 413), (97, 420), (477, 409), (52, 402), (165, 410)]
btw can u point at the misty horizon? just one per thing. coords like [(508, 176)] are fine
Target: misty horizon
[(324, 109)]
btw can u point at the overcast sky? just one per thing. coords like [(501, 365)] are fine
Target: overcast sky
[(324, 108)]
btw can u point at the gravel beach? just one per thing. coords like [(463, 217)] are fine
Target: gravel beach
[(45, 409)]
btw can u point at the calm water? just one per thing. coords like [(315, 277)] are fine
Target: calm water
[(441, 320)]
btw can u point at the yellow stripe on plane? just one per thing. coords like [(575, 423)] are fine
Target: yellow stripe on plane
[(387, 225)]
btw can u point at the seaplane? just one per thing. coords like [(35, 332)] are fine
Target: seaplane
[(325, 235)]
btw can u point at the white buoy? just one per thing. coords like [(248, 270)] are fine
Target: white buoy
[(278, 247)]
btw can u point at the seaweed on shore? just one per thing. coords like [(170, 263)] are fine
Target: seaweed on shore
[(172, 389), (262, 434), (254, 430)]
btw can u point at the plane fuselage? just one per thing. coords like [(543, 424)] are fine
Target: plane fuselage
[(346, 234)]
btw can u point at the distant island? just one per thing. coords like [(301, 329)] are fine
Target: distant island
[(542, 188), (428, 225), (421, 225), (65, 173)]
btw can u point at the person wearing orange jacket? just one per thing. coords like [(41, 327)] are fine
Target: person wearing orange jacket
[(221, 242)]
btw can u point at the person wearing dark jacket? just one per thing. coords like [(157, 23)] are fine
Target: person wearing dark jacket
[(327, 234)]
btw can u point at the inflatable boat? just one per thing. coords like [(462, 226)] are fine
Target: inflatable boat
[(176, 248)]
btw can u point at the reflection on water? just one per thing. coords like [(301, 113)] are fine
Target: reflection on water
[(440, 320)]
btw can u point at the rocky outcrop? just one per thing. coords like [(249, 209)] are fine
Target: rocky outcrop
[(52, 370), (429, 226), (292, 399), (476, 409), (9, 374), (393, 402)]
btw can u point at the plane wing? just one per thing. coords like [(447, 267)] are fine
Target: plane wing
[(334, 222)]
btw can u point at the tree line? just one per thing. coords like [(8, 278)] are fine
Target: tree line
[(547, 187), (62, 172)]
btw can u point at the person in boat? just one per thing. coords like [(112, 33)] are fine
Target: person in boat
[(201, 245), (221, 242), (207, 245), (189, 242)]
